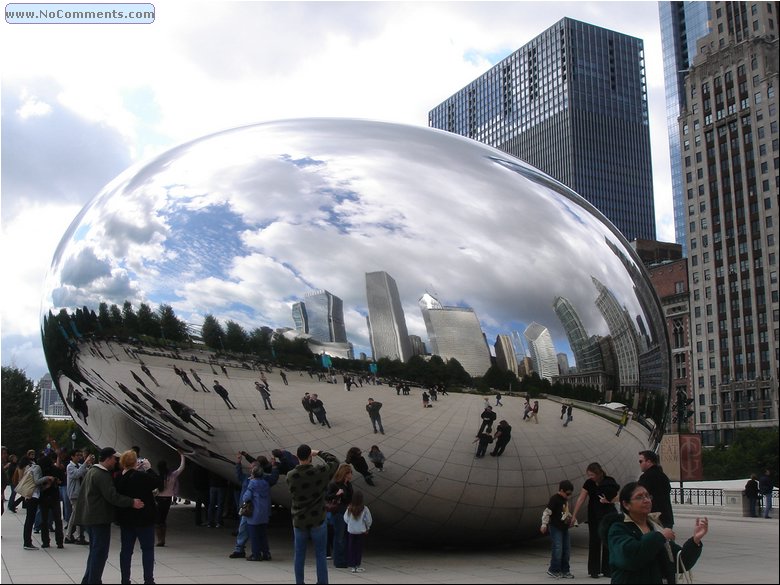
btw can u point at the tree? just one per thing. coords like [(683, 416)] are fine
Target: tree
[(22, 422), (148, 321), (212, 332), (130, 319), (104, 317), (235, 337), (173, 329), (456, 374)]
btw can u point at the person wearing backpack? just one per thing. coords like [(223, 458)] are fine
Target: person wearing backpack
[(29, 487)]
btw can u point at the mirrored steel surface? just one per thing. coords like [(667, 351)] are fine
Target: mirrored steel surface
[(360, 238)]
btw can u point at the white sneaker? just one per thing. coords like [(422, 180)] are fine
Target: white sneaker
[(353, 569), (554, 575), (567, 576), (359, 570)]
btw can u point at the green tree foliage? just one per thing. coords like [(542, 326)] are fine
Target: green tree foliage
[(212, 332), (104, 317), (148, 321), (236, 339), (752, 451), (259, 342), (173, 329), (129, 320), (22, 422)]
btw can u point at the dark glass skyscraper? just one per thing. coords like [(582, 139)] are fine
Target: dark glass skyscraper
[(682, 25), (573, 103)]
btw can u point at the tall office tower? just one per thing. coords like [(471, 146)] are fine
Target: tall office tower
[(457, 334), (587, 355), (572, 103), (47, 394), (542, 349), (506, 359), (386, 320), (624, 337), (418, 347), (732, 180), (682, 25), (300, 317), (563, 364), (520, 352), (325, 313)]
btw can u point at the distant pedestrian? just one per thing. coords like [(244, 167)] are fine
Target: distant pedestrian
[(318, 408), (306, 403), (488, 418), (377, 457), (765, 488), (284, 377), (358, 520), (563, 410), (535, 412), (425, 399), (498, 399), (623, 422), (569, 415), (372, 408), (555, 521), (223, 393), (265, 395), (751, 493), (484, 439), (503, 434)]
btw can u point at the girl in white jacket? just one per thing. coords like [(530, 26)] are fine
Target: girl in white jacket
[(358, 520)]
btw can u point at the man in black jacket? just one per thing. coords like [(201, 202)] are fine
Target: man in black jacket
[(488, 417), (372, 408), (657, 483)]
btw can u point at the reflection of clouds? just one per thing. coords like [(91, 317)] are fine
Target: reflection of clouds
[(84, 268), (243, 223)]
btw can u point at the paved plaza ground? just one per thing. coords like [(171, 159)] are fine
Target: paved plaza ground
[(737, 550)]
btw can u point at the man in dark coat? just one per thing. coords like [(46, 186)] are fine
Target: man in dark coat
[(657, 483), (488, 418), (372, 408)]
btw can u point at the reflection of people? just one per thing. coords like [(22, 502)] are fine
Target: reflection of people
[(555, 520), (601, 491), (372, 408), (223, 393), (503, 434), (623, 422), (657, 483), (488, 418), (640, 549)]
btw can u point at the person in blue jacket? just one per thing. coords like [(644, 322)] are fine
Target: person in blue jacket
[(641, 550), (258, 491)]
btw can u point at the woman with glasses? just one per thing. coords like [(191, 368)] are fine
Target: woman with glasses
[(601, 491), (641, 550)]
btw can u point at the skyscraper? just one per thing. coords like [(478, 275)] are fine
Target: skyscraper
[(325, 314), (505, 354), (731, 181), (682, 25), (573, 103), (386, 321), (457, 334), (587, 355), (300, 318), (543, 354)]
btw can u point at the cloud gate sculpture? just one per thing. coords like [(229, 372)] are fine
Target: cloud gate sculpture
[(298, 249)]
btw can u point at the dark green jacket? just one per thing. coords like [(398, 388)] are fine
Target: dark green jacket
[(307, 487), (635, 557), (98, 498)]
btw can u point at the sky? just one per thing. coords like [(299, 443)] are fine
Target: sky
[(81, 103)]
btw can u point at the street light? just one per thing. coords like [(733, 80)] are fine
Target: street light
[(73, 440)]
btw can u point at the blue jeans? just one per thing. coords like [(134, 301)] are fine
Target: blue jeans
[(99, 544), (243, 535), (216, 502), (66, 506), (767, 504), (561, 547), (145, 537), (339, 540), (319, 536), (259, 538)]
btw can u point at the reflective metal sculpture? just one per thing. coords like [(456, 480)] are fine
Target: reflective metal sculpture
[(193, 277)]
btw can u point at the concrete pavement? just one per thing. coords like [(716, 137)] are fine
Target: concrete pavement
[(737, 550)]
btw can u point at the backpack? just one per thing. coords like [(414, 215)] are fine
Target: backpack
[(26, 485)]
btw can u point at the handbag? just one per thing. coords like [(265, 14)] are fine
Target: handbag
[(332, 504), (246, 509), (682, 575)]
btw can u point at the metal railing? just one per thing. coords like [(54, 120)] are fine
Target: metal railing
[(712, 497)]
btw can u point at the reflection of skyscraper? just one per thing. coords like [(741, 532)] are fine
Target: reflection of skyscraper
[(455, 332), (418, 347), (505, 354), (587, 355), (325, 314), (624, 336), (563, 364), (300, 318), (386, 321), (542, 350), (520, 352)]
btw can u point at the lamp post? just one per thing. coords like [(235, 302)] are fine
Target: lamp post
[(73, 441)]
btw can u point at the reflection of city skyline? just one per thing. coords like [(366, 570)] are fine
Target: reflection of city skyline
[(456, 332)]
